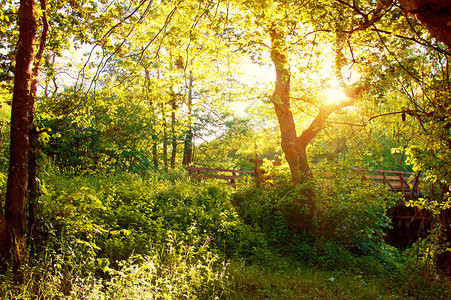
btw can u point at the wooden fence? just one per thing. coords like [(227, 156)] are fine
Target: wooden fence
[(398, 181), (227, 174)]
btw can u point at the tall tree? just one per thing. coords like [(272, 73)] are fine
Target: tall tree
[(189, 138), (33, 131), (435, 15), (13, 227)]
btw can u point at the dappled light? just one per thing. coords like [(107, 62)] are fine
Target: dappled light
[(334, 96), (225, 149)]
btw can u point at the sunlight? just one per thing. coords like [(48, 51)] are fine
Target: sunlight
[(253, 74), (334, 96)]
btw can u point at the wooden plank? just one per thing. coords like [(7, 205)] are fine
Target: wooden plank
[(385, 171), (388, 183), (216, 176), (390, 178), (403, 184), (218, 170)]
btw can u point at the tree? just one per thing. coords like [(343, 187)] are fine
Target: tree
[(13, 224), (295, 146), (435, 15), (33, 133), (426, 88)]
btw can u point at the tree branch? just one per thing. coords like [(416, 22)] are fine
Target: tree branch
[(317, 124)]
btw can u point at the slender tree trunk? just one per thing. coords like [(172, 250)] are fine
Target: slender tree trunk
[(155, 151), (15, 216), (33, 135), (165, 137), (173, 130), (152, 121), (188, 143), (174, 140)]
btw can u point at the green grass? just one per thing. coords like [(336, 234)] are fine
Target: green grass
[(305, 283), (126, 237)]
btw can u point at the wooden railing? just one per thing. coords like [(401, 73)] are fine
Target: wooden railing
[(398, 181), (227, 174)]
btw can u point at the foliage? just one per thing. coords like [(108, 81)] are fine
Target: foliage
[(108, 135), (161, 236), (240, 142), (126, 81), (349, 221)]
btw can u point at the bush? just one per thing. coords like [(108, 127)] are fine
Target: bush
[(345, 231)]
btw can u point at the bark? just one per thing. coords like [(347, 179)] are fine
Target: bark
[(294, 154), (15, 216), (294, 150), (294, 146), (153, 116), (188, 143), (165, 137), (435, 15), (33, 134), (173, 133)]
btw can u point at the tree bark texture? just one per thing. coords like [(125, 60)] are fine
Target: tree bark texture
[(435, 15), (188, 143), (294, 151), (33, 134), (173, 133), (15, 216)]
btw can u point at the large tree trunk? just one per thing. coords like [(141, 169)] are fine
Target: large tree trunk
[(295, 153), (294, 146), (435, 15), (15, 216)]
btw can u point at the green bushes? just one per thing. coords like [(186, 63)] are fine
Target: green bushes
[(347, 224), (114, 229), (162, 237)]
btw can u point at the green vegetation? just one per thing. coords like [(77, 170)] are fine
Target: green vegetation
[(104, 104), (161, 236)]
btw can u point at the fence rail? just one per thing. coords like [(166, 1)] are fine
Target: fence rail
[(228, 174), (398, 181)]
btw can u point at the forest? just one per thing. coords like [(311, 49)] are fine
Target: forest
[(224, 149)]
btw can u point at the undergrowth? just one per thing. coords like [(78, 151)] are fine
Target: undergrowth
[(163, 237)]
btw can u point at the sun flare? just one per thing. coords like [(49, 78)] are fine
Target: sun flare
[(334, 96)]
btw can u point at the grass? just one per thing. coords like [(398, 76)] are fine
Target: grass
[(129, 238), (305, 283)]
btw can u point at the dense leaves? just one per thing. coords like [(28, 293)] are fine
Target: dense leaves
[(132, 90)]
